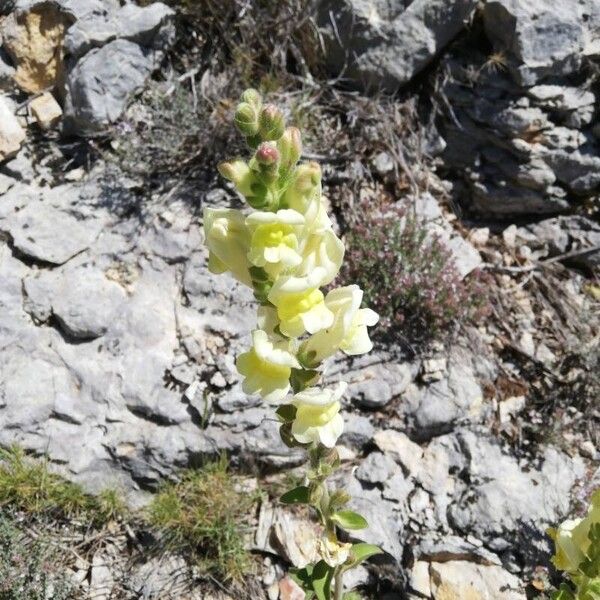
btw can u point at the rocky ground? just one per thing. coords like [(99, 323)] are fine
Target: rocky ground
[(118, 345)]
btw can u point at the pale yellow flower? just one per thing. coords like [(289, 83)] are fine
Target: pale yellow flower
[(323, 253), (267, 367), (274, 242), (317, 417), (571, 538), (300, 305), (348, 332), (228, 242)]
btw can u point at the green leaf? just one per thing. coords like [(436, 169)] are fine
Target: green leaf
[(348, 519), (321, 580), (303, 577), (300, 379), (591, 565), (564, 593), (362, 552), (299, 495), (286, 413)]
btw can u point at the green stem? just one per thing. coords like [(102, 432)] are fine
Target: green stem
[(338, 586)]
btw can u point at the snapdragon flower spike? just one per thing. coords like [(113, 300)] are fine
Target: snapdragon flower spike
[(285, 248)]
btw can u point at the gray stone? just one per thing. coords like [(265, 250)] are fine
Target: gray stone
[(503, 199), (562, 98), (463, 579), (397, 488), (376, 468), (51, 234), (96, 92), (383, 44), (436, 548), (571, 232), (398, 446), (505, 498), (385, 527), (563, 138), (457, 397), (541, 38), (466, 256), (358, 430), (579, 171), (83, 300), (12, 135), (150, 26), (378, 384)]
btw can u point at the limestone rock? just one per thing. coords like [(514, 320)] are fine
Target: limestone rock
[(376, 468), (542, 38), (503, 498), (46, 110), (83, 300), (39, 231), (33, 38), (96, 92), (461, 580), (386, 43), (150, 27), (399, 446), (454, 398), (12, 135)]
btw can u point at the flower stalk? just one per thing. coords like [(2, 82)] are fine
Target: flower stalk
[(286, 250)]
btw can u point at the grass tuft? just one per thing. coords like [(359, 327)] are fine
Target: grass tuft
[(207, 513), (27, 485)]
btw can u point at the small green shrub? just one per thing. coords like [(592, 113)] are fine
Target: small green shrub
[(207, 514), (408, 276), (30, 568)]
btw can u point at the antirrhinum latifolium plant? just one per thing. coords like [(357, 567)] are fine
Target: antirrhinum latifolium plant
[(577, 554), (285, 249)]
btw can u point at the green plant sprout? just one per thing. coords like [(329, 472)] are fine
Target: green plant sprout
[(285, 249)]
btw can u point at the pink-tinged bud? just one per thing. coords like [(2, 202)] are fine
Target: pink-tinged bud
[(271, 123), (290, 147), (267, 154)]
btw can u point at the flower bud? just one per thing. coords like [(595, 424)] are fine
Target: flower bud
[(246, 119), (290, 147), (267, 160), (267, 154), (308, 177), (238, 172), (271, 123), (252, 97)]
